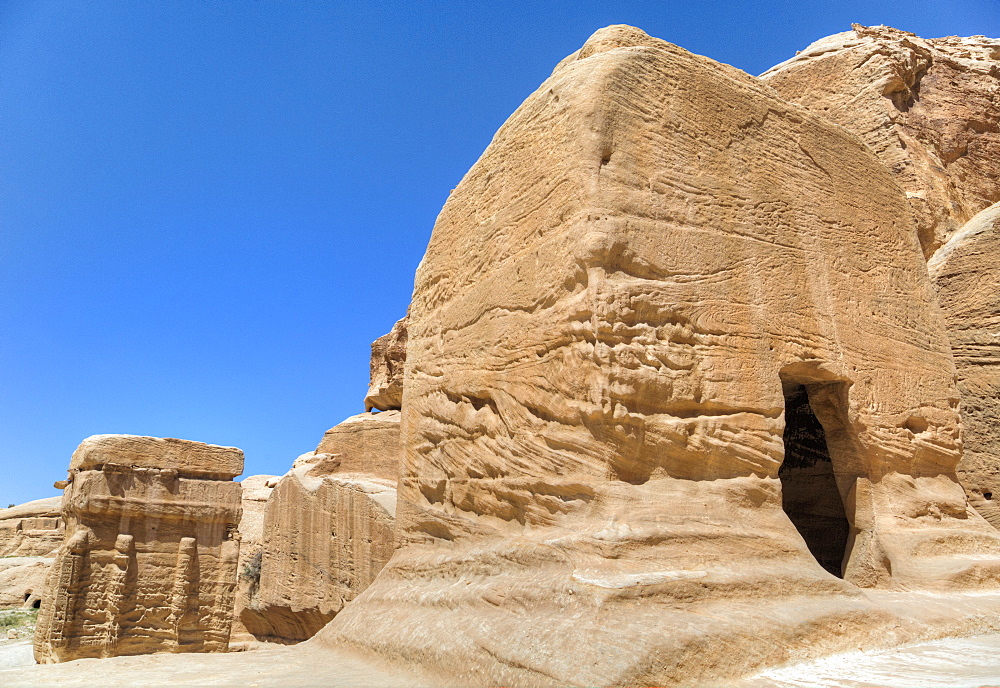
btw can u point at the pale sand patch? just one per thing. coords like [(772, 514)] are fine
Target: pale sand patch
[(301, 665)]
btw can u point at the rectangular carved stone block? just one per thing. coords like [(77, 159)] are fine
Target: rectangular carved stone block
[(149, 560)]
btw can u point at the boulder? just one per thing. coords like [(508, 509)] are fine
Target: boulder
[(151, 547), (677, 390), (928, 108), (966, 272), (385, 391), (328, 529)]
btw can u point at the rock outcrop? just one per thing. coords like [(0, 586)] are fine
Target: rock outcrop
[(929, 108), (328, 529), (676, 390), (257, 490), (385, 390), (32, 529), (150, 552), (30, 534), (966, 271)]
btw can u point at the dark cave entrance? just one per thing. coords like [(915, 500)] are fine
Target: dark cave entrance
[(809, 493)]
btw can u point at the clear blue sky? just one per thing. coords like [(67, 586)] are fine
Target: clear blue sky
[(209, 209)]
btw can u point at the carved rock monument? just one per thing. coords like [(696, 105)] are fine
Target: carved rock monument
[(676, 392), (149, 560)]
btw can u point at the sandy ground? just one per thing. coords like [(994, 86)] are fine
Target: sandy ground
[(969, 661), (15, 654), (301, 665), (952, 663)]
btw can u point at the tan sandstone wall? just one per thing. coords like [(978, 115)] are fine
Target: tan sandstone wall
[(928, 108), (966, 271), (30, 534), (328, 529), (385, 389), (653, 256), (256, 490), (149, 560), (32, 529)]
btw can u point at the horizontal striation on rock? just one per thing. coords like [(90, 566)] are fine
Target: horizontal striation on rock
[(928, 108), (149, 558), (614, 306)]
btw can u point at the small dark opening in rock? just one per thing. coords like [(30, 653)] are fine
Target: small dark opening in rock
[(37, 604), (27, 596), (809, 493), (987, 495)]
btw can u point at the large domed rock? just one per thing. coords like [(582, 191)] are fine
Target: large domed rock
[(674, 367)]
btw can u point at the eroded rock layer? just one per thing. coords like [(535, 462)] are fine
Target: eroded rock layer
[(33, 529), (149, 559), (328, 529), (966, 271), (385, 389), (256, 490), (929, 108), (654, 258), (30, 534)]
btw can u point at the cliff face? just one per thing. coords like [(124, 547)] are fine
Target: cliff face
[(149, 559), (328, 529), (661, 301), (928, 108), (966, 272)]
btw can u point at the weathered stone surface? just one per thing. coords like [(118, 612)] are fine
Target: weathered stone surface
[(929, 108), (22, 580), (30, 534), (661, 301), (33, 529), (328, 530), (966, 271), (366, 444), (256, 491), (385, 390), (149, 560), (188, 459)]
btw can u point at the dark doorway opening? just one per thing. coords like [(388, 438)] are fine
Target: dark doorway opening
[(809, 493)]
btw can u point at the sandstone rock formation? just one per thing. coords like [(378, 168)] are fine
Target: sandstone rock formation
[(22, 580), (674, 367), (328, 529), (149, 559), (385, 391), (929, 108), (256, 491), (30, 534), (966, 271), (33, 529)]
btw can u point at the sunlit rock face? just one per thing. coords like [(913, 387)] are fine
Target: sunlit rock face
[(928, 108), (654, 260), (328, 529), (150, 553), (30, 534), (385, 390), (966, 272)]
